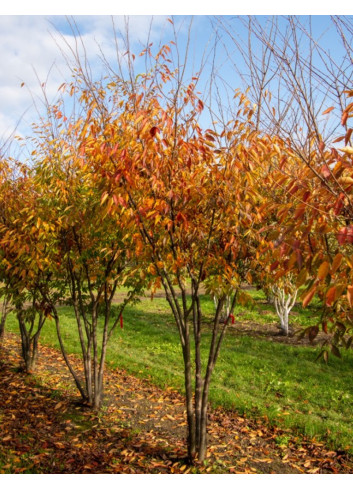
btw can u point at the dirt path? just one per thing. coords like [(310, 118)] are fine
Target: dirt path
[(141, 429)]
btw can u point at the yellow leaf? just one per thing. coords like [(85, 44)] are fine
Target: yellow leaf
[(336, 262), (308, 298), (104, 197), (346, 180), (330, 296), (347, 150), (350, 294), (323, 270)]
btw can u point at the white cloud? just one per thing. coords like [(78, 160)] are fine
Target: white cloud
[(30, 54)]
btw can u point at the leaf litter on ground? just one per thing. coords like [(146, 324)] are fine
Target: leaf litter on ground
[(141, 429)]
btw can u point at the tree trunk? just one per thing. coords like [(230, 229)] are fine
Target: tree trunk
[(190, 412), (4, 314), (2, 327), (284, 305), (284, 325), (29, 348), (66, 358)]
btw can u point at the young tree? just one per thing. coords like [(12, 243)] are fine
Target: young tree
[(4, 171), (313, 236), (91, 251), (22, 248), (284, 299), (195, 207)]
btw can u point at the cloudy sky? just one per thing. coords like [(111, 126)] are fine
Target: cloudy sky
[(32, 52), (32, 47)]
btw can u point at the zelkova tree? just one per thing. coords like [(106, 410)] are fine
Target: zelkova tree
[(195, 205), (91, 252)]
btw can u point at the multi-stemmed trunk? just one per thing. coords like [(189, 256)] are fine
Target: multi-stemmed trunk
[(284, 302), (91, 386), (188, 320), (93, 347), (30, 328)]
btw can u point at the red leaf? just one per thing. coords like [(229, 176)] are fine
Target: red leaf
[(325, 171), (299, 258), (341, 138), (313, 332), (338, 204), (324, 327), (154, 130), (306, 195), (345, 235), (348, 136), (344, 118)]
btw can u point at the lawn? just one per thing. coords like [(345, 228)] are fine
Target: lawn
[(282, 383)]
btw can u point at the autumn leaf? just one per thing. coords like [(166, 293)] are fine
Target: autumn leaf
[(313, 332), (325, 171), (347, 150), (154, 130), (344, 118), (345, 235), (308, 298), (330, 296), (350, 295), (323, 270), (336, 262)]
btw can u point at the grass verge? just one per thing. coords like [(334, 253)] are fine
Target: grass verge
[(279, 382)]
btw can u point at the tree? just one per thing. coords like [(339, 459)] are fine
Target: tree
[(23, 255), (90, 249), (312, 239), (284, 299), (194, 204), (297, 84), (4, 171)]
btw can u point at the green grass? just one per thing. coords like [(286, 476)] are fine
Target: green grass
[(256, 377)]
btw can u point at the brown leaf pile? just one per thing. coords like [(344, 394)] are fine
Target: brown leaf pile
[(141, 429)]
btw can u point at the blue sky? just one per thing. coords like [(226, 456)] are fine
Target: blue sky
[(30, 48)]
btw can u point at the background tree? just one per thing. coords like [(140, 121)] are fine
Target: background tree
[(4, 176), (23, 251)]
